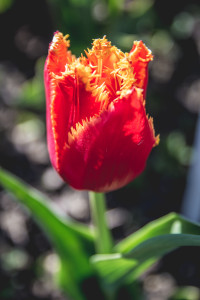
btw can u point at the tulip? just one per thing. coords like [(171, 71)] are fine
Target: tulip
[(99, 136)]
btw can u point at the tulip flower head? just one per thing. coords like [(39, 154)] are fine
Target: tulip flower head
[(99, 136)]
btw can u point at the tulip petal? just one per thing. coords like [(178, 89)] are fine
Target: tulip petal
[(140, 56), (55, 65), (68, 104), (59, 55), (110, 150), (63, 108), (58, 118)]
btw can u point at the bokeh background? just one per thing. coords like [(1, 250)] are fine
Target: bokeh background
[(171, 29)]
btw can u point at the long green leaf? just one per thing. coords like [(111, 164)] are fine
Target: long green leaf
[(72, 241), (117, 269), (171, 223), (160, 245), (143, 248)]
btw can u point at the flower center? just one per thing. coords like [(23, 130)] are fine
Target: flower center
[(110, 67), (106, 72)]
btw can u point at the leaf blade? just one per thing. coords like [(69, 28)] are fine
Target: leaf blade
[(73, 242), (171, 223), (138, 252)]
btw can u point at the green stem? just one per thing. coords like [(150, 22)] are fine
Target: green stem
[(103, 238)]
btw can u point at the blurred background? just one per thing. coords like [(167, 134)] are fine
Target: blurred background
[(171, 29)]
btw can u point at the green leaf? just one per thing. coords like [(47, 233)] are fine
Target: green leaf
[(162, 244), (143, 248), (171, 223), (72, 241), (114, 269)]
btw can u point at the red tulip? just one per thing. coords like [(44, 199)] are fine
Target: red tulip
[(99, 136)]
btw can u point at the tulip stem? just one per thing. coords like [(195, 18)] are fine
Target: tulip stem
[(103, 238)]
